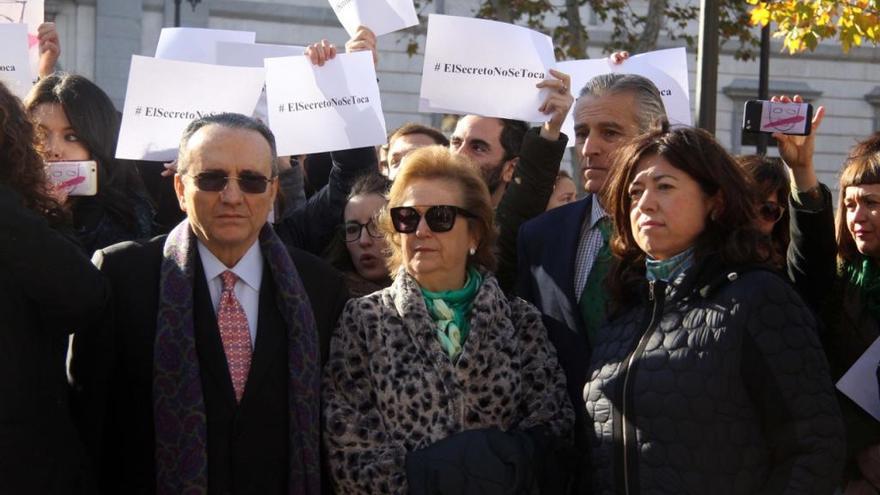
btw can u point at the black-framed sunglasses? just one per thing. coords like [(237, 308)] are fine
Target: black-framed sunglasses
[(248, 182), (440, 218), (771, 212), (352, 230)]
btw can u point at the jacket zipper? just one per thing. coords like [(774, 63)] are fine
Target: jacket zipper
[(635, 354)]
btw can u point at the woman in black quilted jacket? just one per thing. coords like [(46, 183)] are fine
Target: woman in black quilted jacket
[(709, 376)]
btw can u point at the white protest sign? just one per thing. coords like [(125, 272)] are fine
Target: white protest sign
[(861, 382), (485, 67), (381, 16), (253, 55), (164, 96), (15, 70), (29, 12), (315, 109), (196, 44), (667, 69)]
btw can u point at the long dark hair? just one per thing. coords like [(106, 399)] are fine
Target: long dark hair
[(730, 236), (862, 167), (21, 166), (96, 122)]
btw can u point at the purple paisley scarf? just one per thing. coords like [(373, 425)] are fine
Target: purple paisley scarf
[(178, 403)]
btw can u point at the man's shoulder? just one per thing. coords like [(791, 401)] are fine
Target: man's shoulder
[(310, 266), (138, 251), (564, 214)]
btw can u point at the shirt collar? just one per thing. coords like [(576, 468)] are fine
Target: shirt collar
[(596, 212), (249, 268)]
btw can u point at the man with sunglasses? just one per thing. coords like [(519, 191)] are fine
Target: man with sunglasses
[(205, 376)]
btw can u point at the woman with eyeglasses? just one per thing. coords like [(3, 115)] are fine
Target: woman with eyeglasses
[(359, 250), (771, 185), (76, 121), (441, 384), (709, 376)]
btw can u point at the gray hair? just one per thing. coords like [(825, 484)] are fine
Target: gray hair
[(651, 112), (230, 121)]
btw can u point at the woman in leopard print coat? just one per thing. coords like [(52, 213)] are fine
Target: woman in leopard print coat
[(396, 386)]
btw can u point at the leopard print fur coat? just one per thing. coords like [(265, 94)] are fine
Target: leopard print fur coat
[(390, 389)]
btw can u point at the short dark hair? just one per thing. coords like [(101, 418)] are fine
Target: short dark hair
[(862, 167), (230, 121), (730, 234), (512, 134), (414, 128), (651, 112)]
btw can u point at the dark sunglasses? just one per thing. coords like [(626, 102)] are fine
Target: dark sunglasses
[(771, 212), (440, 218), (248, 182), (352, 230)]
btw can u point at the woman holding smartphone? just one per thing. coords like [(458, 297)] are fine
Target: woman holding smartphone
[(47, 288), (76, 121)]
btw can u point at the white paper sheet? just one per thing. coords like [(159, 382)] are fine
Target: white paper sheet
[(164, 96), (253, 55), (30, 12), (196, 44), (381, 16), (860, 383), (15, 70), (667, 69), (485, 67), (316, 109)]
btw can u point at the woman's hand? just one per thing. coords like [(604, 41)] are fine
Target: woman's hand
[(797, 151), (363, 40), (50, 48), (319, 53), (557, 104)]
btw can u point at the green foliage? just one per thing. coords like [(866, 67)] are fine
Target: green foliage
[(803, 24)]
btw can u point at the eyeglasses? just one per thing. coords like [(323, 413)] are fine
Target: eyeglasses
[(771, 212), (352, 230), (248, 182), (440, 218)]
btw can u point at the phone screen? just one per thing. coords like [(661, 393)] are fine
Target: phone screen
[(787, 118)]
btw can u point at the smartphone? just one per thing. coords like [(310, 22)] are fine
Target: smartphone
[(773, 116), (79, 178)]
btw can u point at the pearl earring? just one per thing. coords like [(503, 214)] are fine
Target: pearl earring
[(473, 251)]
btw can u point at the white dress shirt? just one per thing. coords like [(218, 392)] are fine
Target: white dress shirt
[(249, 270)]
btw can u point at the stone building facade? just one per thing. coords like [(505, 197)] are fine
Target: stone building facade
[(99, 36)]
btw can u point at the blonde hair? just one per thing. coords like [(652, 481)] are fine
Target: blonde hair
[(438, 163)]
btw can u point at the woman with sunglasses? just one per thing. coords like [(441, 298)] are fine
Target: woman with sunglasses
[(47, 289), (771, 185), (709, 376), (359, 250), (440, 381), (76, 122), (840, 277)]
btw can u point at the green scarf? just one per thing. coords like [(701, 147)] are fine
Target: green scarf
[(450, 310), (669, 269), (866, 277)]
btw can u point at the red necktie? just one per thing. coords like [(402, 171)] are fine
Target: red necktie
[(234, 333)]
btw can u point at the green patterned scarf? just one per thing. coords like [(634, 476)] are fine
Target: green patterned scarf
[(669, 269), (866, 277), (450, 310)]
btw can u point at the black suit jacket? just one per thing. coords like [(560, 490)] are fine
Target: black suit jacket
[(246, 444), (546, 252)]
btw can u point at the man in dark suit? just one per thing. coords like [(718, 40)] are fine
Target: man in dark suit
[(563, 255), (205, 375)]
